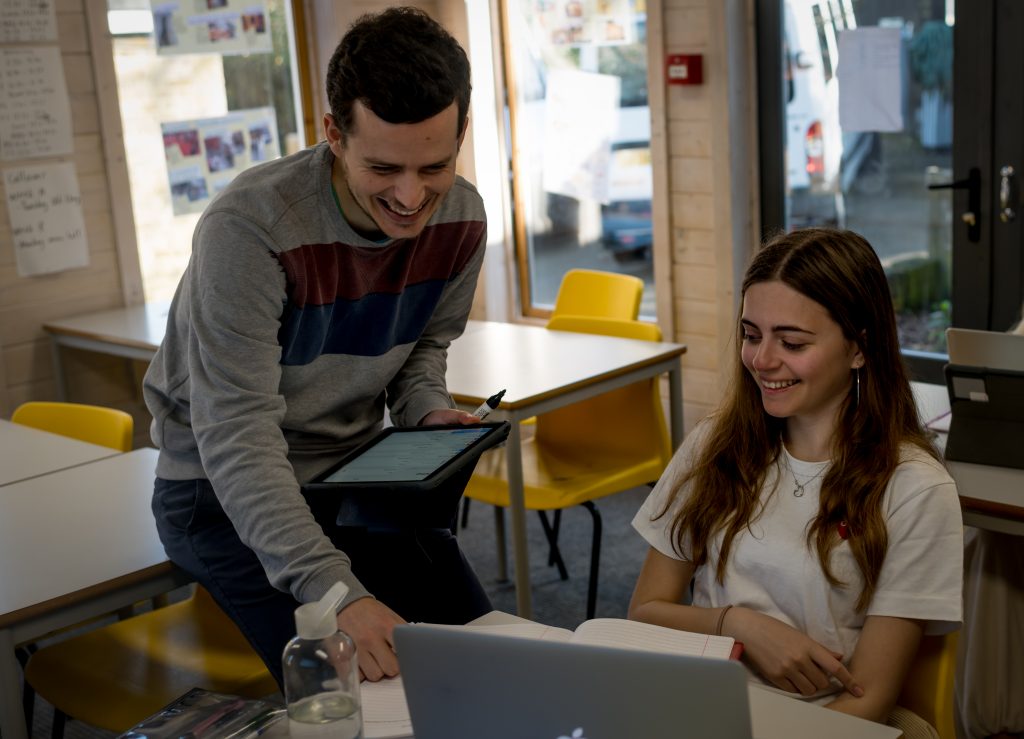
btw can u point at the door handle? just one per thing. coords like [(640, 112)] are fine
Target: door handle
[(971, 217), (1006, 213)]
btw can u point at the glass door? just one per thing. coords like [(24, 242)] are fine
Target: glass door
[(580, 141), (900, 120)]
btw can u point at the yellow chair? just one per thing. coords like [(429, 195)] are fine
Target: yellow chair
[(928, 689), (92, 423), (593, 294), (587, 450), (95, 424), (588, 292), (117, 675)]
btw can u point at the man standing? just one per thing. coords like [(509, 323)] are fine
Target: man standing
[(321, 287)]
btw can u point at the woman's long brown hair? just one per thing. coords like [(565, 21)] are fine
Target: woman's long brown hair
[(840, 271)]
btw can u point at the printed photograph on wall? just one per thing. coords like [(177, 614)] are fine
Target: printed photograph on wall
[(218, 26), (203, 156)]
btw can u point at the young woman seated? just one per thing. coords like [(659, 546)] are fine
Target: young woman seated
[(810, 515)]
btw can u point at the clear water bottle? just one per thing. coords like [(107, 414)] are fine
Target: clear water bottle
[(321, 674)]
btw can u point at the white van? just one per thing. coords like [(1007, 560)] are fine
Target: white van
[(821, 162)]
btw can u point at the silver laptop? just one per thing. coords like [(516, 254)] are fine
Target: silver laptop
[(468, 685), (991, 349)]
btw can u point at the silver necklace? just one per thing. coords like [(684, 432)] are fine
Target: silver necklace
[(798, 487)]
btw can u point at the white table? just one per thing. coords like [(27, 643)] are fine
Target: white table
[(991, 497), (540, 369), (134, 332), (74, 544), (26, 452)]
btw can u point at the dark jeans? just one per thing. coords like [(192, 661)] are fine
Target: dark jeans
[(420, 574)]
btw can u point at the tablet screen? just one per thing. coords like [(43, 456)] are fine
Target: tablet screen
[(408, 456)]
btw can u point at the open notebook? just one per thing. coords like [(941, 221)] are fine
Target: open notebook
[(386, 712)]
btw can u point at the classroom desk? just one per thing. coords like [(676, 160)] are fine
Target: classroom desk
[(74, 544), (991, 497), (540, 369), (133, 332), (27, 452)]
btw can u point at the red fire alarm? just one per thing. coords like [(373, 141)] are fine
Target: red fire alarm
[(684, 69)]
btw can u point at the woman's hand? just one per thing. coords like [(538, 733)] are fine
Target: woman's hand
[(787, 658)]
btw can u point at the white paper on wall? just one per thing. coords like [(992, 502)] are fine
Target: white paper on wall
[(35, 114), (870, 83), (28, 20), (44, 206)]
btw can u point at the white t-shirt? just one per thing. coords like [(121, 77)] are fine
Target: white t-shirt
[(772, 570)]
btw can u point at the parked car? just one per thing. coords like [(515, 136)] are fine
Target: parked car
[(626, 228)]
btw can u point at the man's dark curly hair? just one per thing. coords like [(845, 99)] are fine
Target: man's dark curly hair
[(402, 65)]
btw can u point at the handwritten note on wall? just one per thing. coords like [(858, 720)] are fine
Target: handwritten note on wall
[(45, 210), (28, 20), (35, 115)]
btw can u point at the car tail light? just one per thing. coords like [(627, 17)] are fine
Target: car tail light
[(814, 145)]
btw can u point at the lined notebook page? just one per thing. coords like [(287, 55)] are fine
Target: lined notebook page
[(385, 712), (614, 632)]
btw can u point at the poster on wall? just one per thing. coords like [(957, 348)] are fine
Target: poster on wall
[(588, 22), (581, 112), (211, 26), (28, 20), (204, 155), (44, 206), (35, 115)]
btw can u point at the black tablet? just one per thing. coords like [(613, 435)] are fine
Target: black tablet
[(402, 478), (417, 457)]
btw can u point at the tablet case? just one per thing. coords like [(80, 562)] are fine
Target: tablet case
[(987, 416), (401, 505)]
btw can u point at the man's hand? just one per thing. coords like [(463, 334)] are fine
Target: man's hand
[(788, 658), (445, 416), (370, 623)]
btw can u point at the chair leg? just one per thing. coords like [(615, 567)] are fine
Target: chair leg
[(555, 528), (499, 539), (465, 512), (59, 719), (595, 558), (555, 556), (28, 693)]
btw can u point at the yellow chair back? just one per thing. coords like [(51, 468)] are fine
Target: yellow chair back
[(92, 423), (599, 446), (624, 424), (928, 689), (588, 292)]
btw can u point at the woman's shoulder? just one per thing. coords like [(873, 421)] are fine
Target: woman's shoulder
[(920, 475), (693, 445)]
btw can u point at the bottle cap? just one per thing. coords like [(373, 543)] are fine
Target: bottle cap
[(318, 620)]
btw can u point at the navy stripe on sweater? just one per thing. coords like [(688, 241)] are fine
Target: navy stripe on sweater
[(344, 299)]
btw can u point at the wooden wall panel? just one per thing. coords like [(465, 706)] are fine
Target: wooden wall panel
[(26, 303), (711, 192)]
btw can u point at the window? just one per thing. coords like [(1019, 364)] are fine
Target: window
[(580, 136), (931, 197), (246, 106)]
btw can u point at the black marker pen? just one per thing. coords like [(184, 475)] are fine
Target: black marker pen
[(488, 405)]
